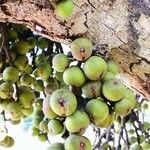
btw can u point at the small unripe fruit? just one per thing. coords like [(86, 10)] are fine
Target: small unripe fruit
[(94, 67), (113, 89), (97, 110), (64, 9), (12, 35), (63, 102), (56, 146), (21, 62), (31, 42), (40, 59), (47, 110), (92, 89), (112, 67), (42, 43), (76, 142), (60, 62), (43, 126), (77, 122), (74, 76), (10, 74), (21, 47), (81, 49), (6, 90), (44, 70), (42, 137), (107, 76), (55, 127)]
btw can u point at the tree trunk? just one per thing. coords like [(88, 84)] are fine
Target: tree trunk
[(118, 27)]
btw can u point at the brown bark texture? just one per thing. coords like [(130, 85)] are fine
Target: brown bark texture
[(120, 28)]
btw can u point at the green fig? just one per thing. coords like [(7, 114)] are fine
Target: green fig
[(39, 85), (47, 110), (92, 89), (125, 105), (6, 90), (60, 62), (31, 42), (94, 67), (76, 142), (35, 131), (40, 59), (42, 137), (63, 102), (44, 70), (112, 67), (21, 62), (107, 122), (10, 74), (27, 111), (26, 80), (113, 89), (77, 122), (64, 9), (42, 43), (74, 76), (55, 127), (97, 110), (14, 109), (81, 49), (51, 86), (21, 47), (26, 98), (12, 35), (39, 103), (43, 126), (107, 76), (56, 146), (7, 142)]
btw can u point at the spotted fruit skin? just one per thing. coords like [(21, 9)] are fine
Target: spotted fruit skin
[(81, 49), (63, 102), (76, 142)]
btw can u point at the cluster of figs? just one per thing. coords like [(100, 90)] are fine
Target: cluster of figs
[(62, 93)]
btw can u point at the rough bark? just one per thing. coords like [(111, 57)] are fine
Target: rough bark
[(121, 25)]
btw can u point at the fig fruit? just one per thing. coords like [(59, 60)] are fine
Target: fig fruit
[(92, 89), (77, 122), (94, 67), (21, 62), (63, 102), (97, 110), (76, 142), (42, 43), (113, 89), (125, 105), (81, 49), (10, 74), (44, 70), (6, 90), (112, 67), (60, 62), (64, 9), (56, 146), (47, 110), (55, 127), (74, 76)]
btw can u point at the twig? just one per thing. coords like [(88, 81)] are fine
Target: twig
[(127, 139), (120, 134)]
